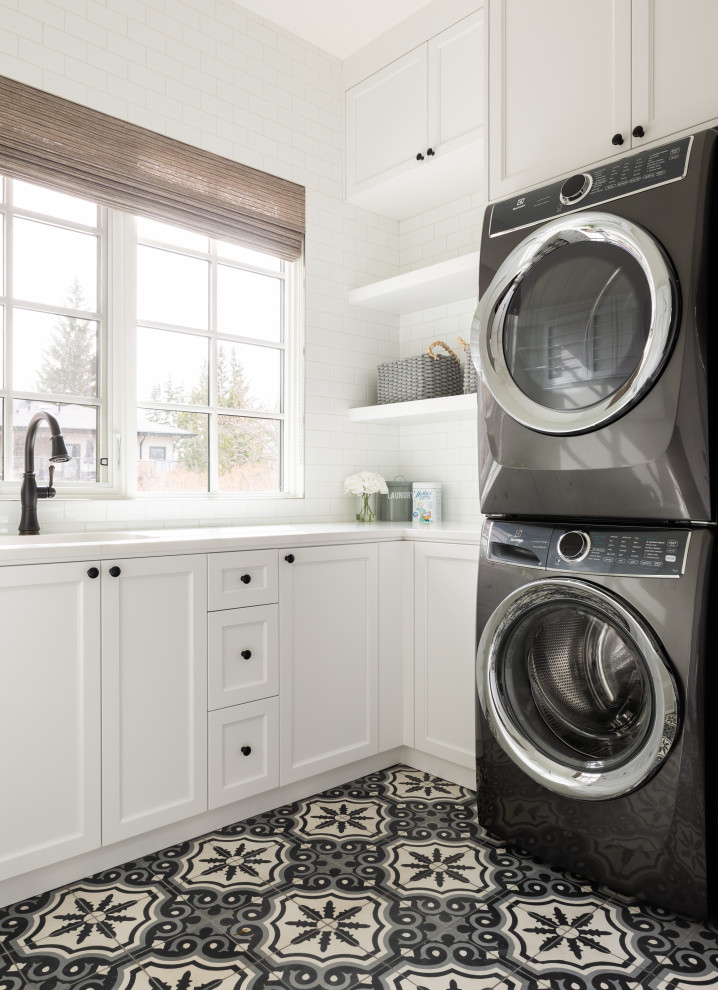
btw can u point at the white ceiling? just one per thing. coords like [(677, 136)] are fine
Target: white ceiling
[(339, 27)]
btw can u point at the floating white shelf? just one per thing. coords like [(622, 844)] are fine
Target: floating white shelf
[(420, 411), (445, 282)]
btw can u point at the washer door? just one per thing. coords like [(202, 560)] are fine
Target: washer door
[(576, 689), (577, 323)]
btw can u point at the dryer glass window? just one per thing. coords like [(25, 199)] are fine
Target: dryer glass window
[(577, 684), (577, 324)]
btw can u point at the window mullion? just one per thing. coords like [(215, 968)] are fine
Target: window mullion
[(8, 411), (213, 432)]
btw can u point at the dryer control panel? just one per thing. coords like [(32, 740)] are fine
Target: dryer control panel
[(589, 189), (589, 549)]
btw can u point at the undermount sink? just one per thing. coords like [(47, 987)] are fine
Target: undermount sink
[(71, 539)]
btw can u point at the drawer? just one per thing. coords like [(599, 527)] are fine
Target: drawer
[(243, 751), (241, 577), (242, 655)]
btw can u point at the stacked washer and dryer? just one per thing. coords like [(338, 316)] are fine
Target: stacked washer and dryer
[(593, 339)]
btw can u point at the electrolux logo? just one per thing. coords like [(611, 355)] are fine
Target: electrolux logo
[(520, 203)]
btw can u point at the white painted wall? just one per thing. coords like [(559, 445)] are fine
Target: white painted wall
[(208, 73)]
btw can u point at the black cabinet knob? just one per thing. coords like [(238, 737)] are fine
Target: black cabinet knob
[(246, 578), (289, 558), (617, 139), (246, 654), (93, 572), (430, 152), (638, 131), (420, 157), (115, 571), (246, 750)]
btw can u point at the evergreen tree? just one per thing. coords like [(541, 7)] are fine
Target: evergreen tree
[(69, 365), (241, 440)]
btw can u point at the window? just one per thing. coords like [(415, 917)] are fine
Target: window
[(53, 321), (216, 345), (221, 393), (212, 360)]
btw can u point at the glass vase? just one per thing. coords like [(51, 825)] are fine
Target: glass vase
[(365, 513)]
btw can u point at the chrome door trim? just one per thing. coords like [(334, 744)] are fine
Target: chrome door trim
[(487, 328), (550, 773)]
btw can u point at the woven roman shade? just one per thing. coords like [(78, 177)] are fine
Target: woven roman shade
[(73, 149)]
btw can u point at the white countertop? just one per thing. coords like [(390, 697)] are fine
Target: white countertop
[(116, 544)]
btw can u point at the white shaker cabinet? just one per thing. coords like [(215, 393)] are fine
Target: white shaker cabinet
[(328, 657), (154, 686), (674, 76), (50, 724), (445, 581), (573, 82), (559, 87), (414, 129)]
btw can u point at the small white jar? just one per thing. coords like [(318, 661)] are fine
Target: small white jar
[(426, 503)]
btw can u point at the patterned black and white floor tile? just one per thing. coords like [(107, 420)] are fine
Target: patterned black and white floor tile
[(386, 883)]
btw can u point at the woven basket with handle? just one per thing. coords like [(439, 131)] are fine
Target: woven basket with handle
[(426, 376)]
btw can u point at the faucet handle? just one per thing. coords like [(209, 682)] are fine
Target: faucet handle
[(48, 491)]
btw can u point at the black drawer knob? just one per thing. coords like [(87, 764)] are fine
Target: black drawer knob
[(420, 157), (617, 139), (247, 654), (115, 571), (246, 578), (430, 152), (93, 572), (246, 750), (289, 558), (638, 131)]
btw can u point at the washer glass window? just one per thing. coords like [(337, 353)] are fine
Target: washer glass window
[(575, 682), (576, 689), (577, 325)]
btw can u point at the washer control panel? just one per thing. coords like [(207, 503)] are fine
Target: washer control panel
[(632, 174), (588, 549), (653, 552)]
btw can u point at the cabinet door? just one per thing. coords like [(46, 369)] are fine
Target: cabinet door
[(50, 725), (559, 88), (675, 82), (445, 633), (328, 650), (386, 122), (154, 673), (456, 87)]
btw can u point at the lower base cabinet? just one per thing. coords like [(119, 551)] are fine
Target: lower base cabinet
[(243, 751), (328, 657), (445, 579), (154, 688), (50, 723)]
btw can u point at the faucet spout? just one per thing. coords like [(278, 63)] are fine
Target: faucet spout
[(29, 491)]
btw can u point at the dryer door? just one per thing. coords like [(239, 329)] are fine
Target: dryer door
[(577, 323), (576, 689)]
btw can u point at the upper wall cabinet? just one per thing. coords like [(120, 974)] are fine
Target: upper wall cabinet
[(572, 83), (414, 129)]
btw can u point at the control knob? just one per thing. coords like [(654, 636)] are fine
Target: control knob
[(573, 546), (575, 188)]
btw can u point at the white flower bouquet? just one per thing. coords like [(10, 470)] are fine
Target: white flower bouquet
[(364, 483)]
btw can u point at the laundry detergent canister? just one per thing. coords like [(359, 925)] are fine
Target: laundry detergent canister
[(395, 505), (426, 503)]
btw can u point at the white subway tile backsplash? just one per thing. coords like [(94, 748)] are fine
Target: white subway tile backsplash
[(209, 73)]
